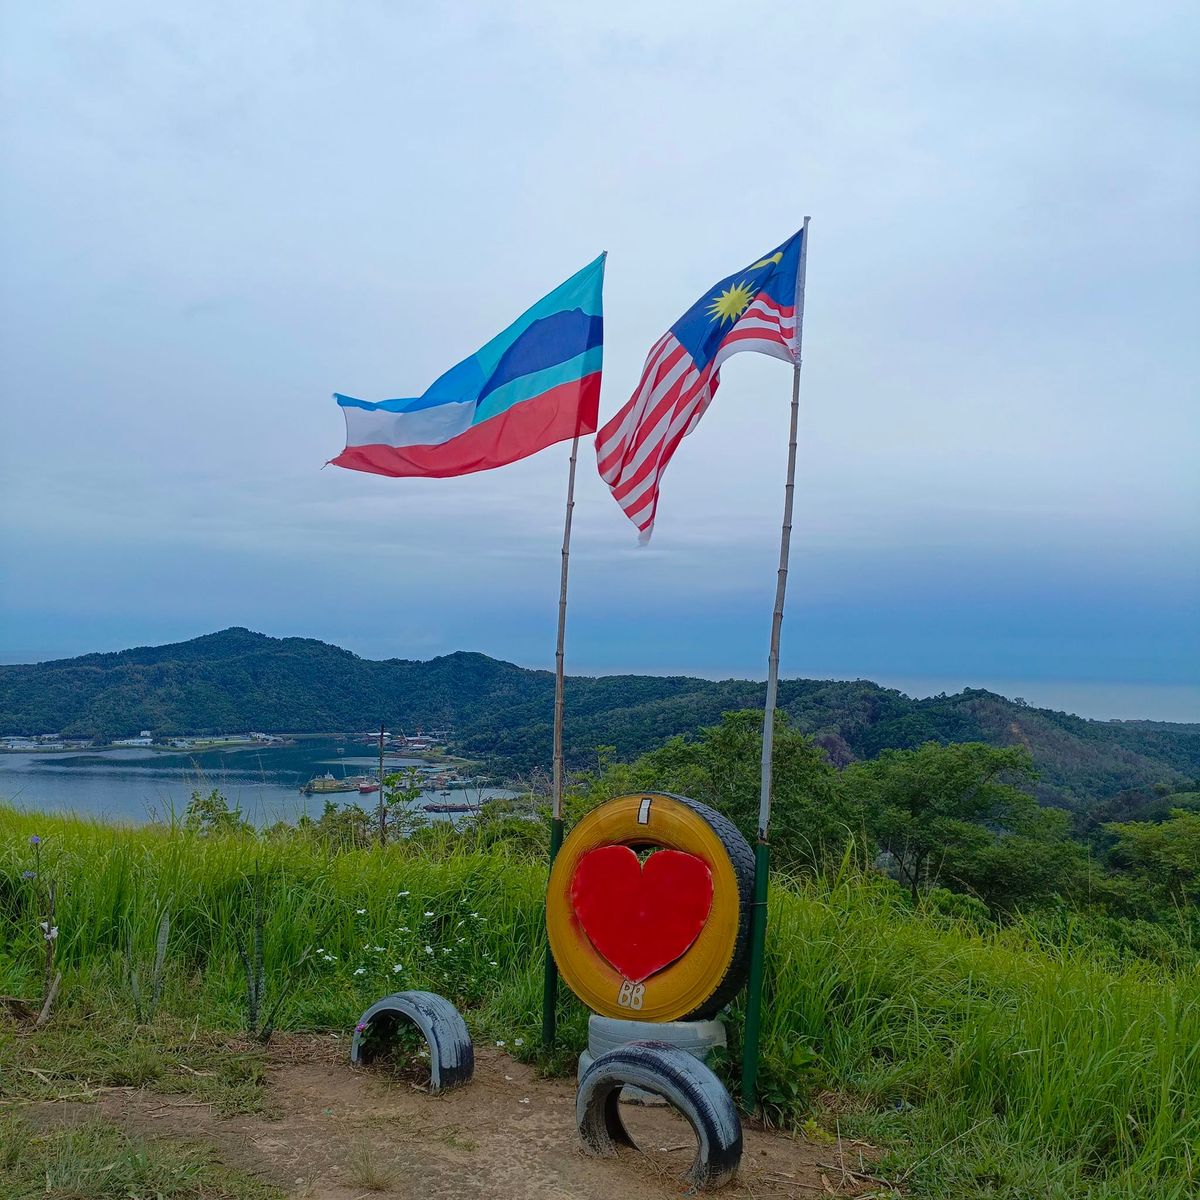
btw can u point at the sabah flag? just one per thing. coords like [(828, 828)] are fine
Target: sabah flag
[(535, 384), (754, 309)]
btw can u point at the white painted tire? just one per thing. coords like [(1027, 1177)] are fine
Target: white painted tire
[(698, 1038)]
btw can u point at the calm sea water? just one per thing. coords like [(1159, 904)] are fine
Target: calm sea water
[(143, 785)]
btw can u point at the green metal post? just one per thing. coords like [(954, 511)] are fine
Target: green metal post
[(758, 946), (550, 981)]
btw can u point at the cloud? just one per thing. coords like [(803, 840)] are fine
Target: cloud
[(214, 218)]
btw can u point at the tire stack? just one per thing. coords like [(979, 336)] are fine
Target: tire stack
[(650, 1036)]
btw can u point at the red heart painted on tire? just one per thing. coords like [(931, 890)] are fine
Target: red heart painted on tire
[(641, 917)]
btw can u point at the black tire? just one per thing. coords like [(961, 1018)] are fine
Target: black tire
[(742, 858), (451, 1054), (685, 1083), (629, 1093)]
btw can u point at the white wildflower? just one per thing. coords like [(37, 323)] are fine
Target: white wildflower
[(500, 1043), (429, 914), (360, 971), (362, 912), (397, 968), (428, 949), (519, 1042), (401, 893), (377, 949)]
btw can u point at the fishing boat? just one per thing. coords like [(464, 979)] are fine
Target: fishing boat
[(367, 786)]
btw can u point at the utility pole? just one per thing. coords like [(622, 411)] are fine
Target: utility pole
[(382, 801)]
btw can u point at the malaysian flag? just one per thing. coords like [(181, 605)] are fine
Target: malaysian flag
[(754, 309)]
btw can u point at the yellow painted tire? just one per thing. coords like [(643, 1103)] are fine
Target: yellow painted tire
[(712, 970)]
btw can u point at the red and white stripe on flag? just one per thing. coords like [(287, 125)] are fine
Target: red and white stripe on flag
[(634, 448)]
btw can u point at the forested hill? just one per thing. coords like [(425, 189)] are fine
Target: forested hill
[(237, 680)]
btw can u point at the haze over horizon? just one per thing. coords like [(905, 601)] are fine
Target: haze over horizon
[(214, 219)]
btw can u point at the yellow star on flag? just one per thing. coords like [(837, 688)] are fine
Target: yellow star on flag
[(729, 304)]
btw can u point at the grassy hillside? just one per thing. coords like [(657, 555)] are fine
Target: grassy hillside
[(986, 1065), (237, 680)]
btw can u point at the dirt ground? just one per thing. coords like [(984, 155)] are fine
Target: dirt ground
[(334, 1132)]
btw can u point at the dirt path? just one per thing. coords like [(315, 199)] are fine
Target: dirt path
[(333, 1132)]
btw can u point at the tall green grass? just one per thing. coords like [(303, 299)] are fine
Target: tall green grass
[(992, 1065), (466, 924), (1094, 1072)]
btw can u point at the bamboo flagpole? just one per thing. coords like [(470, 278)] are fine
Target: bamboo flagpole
[(550, 982), (758, 931)]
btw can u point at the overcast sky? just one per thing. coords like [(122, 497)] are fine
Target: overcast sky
[(213, 216)]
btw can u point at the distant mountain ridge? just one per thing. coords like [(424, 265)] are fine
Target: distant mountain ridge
[(237, 680)]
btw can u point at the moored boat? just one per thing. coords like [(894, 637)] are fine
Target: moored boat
[(329, 783)]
